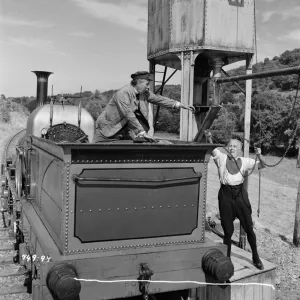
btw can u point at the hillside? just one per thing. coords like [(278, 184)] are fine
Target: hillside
[(271, 105), (272, 124), (13, 118)]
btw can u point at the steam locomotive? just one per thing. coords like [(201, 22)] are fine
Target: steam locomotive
[(89, 219)]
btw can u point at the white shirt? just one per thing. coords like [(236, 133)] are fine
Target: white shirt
[(227, 178)]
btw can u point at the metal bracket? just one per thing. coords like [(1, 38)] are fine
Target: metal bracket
[(145, 277), (210, 117)]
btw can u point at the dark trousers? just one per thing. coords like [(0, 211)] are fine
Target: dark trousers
[(234, 203)]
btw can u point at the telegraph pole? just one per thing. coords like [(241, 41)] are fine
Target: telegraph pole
[(247, 120), (296, 238)]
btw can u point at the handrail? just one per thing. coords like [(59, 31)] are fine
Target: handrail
[(78, 178)]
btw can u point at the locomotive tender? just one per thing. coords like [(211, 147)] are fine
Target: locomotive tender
[(108, 211)]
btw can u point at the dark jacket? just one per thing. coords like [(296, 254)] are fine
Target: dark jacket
[(121, 109)]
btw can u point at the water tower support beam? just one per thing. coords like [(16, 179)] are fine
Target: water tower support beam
[(217, 73), (247, 120), (151, 106), (187, 119)]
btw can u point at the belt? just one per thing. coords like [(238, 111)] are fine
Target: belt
[(235, 187)]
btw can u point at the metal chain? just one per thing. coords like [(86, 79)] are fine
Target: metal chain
[(259, 171), (295, 130)]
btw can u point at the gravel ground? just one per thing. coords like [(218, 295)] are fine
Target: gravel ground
[(285, 256)]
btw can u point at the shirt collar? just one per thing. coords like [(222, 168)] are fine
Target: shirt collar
[(134, 89)]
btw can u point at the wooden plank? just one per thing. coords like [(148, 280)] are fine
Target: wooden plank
[(229, 26), (241, 274), (90, 290), (191, 117), (237, 292), (158, 25), (249, 292), (247, 120), (298, 159), (7, 260), (15, 272), (266, 291), (151, 106), (185, 88), (296, 237), (186, 27), (201, 292), (214, 292), (6, 238), (237, 252), (108, 267), (15, 289), (7, 247), (209, 118)]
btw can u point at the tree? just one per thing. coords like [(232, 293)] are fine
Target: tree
[(270, 119), (227, 97), (223, 126), (97, 94), (94, 107)]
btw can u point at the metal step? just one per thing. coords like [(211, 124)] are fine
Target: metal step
[(15, 289), (8, 259), (16, 272)]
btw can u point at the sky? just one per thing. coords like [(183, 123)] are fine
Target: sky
[(97, 44)]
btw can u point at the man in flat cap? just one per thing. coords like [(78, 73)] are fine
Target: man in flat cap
[(126, 116)]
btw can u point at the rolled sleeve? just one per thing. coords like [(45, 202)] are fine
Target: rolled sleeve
[(162, 101), (123, 105), (218, 157), (250, 163), (216, 153)]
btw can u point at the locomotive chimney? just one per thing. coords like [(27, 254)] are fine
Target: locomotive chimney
[(42, 87)]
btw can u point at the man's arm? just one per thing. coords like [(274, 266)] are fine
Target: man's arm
[(167, 102), (252, 163), (260, 162), (215, 152)]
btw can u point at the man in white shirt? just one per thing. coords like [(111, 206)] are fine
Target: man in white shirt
[(233, 198)]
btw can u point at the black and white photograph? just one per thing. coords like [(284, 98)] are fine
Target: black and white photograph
[(149, 150)]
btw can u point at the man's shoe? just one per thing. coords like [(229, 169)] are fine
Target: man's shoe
[(258, 264)]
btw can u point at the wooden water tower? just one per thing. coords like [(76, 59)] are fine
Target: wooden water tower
[(197, 37)]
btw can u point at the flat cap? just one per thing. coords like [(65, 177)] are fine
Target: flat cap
[(141, 75)]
